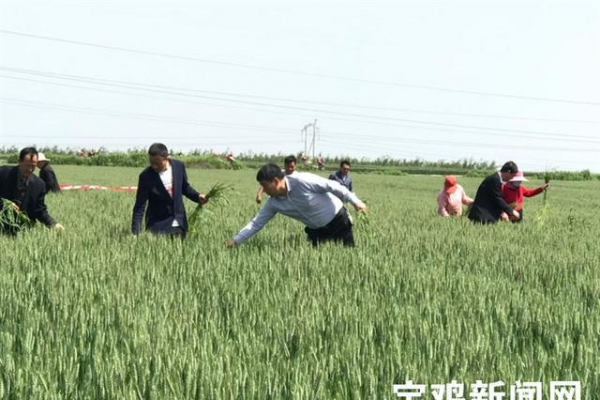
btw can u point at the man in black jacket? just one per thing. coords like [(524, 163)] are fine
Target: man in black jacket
[(47, 174), (162, 186), (26, 191), (489, 204)]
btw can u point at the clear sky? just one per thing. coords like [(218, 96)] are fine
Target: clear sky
[(443, 80)]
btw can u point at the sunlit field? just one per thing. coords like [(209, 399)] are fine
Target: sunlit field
[(94, 313)]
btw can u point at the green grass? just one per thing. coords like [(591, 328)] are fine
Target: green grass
[(94, 313)]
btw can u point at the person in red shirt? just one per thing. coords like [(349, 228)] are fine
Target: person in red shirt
[(514, 194)]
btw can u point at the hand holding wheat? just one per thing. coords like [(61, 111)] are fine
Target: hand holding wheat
[(216, 195), (11, 217), (360, 207)]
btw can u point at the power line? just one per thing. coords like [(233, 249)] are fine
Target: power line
[(180, 100), (419, 153), (145, 87), (288, 100), (570, 138), (218, 124), (148, 117), (368, 141), (293, 72), (365, 141), (479, 133), (147, 139)]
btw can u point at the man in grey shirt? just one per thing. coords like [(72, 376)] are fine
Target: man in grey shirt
[(289, 169), (308, 198)]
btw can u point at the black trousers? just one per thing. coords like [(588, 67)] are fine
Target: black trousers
[(177, 232), (338, 230)]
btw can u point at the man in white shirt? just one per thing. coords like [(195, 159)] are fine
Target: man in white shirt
[(308, 198)]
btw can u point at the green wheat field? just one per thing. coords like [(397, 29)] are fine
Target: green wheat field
[(94, 313)]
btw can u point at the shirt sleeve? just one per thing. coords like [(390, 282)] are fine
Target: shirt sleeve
[(321, 185), (496, 193), (41, 212), (264, 215), (466, 200), (141, 196), (50, 181), (187, 190), (532, 192), (442, 202)]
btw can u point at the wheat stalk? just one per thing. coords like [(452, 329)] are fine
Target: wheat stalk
[(217, 194), (12, 219), (546, 180)]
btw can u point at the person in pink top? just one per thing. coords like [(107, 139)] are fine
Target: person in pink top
[(452, 197)]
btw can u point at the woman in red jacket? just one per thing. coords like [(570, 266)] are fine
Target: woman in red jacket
[(514, 194)]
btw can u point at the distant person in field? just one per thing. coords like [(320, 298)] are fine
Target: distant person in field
[(25, 191), (308, 198), (452, 197), (343, 175), (320, 163), (289, 169), (47, 174), (162, 186), (489, 205), (514, 193)]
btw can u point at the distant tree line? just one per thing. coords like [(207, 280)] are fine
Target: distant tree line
[(214, 160)]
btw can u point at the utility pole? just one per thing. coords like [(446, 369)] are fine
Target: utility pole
[(309, 143)]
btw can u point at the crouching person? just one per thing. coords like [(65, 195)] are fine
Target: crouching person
[(25, 192), (308, 198)]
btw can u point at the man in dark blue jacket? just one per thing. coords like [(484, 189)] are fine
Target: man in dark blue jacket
[(489, 203), (162, 185), (342, 175)]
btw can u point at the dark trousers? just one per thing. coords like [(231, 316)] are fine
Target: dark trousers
[(177, 232), (338, 230)]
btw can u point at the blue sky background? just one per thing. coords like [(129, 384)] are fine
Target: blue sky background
[(450, 80)]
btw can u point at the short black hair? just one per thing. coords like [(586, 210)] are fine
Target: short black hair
[(268, 173), (27, 151), (158, 149), (510, 166), (290, 159), (344, 162)]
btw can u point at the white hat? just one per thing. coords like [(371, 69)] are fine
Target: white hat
[(42, 157), (519, 177)]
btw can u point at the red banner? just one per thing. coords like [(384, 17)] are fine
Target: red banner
[(66, 187)]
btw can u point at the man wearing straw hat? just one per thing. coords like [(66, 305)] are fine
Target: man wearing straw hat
[(47, 174)]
